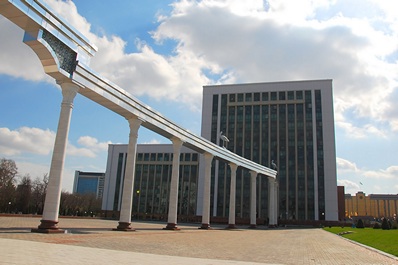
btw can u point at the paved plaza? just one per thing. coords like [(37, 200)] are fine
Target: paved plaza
[(92, 241)]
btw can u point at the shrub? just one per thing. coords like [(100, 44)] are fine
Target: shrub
[(360, 224), (376, 225), (385, 225), (394, 225)]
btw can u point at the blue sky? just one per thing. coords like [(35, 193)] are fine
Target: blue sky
[(163, 52)]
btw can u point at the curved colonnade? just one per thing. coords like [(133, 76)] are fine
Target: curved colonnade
[(65, 55)]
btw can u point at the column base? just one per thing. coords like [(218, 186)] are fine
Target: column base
[(252, 226), (231, 226), (48, 227), (171, 226), (205, 226), (125, 227), (272, 226)]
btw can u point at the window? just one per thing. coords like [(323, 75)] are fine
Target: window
[(256, 96)]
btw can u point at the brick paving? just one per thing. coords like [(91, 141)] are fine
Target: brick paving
[(92, 241)]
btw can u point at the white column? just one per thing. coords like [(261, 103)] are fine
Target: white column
[(206, 192), (175, 174), (272, 203), (49, 222), (253, 196), (231, 219), (128, 183)]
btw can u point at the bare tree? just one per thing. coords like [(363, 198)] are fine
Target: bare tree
[(8, 172), (39, 189), (23, 196)]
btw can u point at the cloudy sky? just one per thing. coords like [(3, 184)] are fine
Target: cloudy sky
[(163, 52)]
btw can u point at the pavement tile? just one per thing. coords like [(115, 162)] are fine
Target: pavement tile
[(92, 241)]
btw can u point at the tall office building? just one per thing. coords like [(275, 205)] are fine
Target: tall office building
[(290, 123)]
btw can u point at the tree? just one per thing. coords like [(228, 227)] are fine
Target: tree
[(23, 195), (360, 224), (8, 173), (39, 190), (384, 224), (79, 204)]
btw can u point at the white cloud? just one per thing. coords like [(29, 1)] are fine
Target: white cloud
[(389, 173), (24, 139), (345, 165), (350, 187), (356, 178), (153, 141), (92, 143), (254, 42), (41, 142)]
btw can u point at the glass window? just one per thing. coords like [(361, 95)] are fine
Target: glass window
[(256, 96), (231, 97), (299, 94), (265, 96), (248, 97), (273, 96), (290, 95), (282, 95), (240, 97), (160, 157)]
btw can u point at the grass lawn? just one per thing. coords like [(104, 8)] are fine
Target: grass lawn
[(384, 240)]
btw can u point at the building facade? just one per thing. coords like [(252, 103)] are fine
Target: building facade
[(373, 205), (290, 123), (89, 182), (152, 180)]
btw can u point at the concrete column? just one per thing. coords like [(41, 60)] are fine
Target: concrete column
[(173, 198), (272, 215), (128, 183), (206, 192), (232, 197), (49, 222), (253, 196)]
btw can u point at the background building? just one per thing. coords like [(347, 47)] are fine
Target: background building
[(372, 206), (152, 180), (291, 123), (89, 182)]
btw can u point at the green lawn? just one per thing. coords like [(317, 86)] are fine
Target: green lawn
[(384, 240)]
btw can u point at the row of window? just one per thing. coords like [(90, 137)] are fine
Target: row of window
[(270, 96), (188, 157)]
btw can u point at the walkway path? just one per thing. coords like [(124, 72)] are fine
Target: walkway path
[(91, 241)]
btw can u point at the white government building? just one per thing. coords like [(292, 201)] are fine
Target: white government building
[(288, 123)]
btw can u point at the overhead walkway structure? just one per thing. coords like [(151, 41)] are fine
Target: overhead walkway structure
[(65, 55)]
